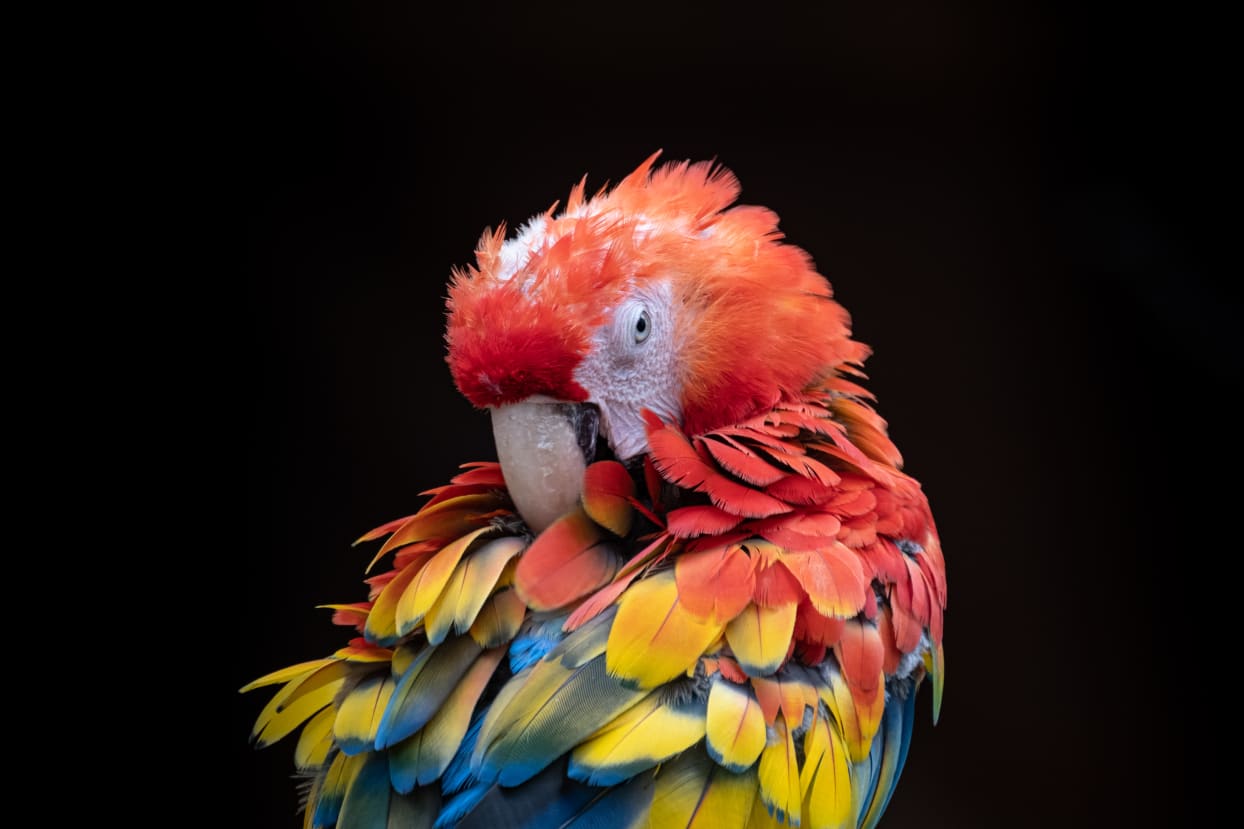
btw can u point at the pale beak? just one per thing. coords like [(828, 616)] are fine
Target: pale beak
[(544, 446)]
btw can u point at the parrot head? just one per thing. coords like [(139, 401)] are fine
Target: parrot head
[(657, 296)]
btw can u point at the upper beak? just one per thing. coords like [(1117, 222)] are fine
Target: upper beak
[(544, 446)]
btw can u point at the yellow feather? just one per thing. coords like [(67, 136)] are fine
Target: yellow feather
[(341, 773), (655, 639), (382, 620), (297, 711), (405, 655), (499, 619), (469, 587), (315, 741), (779, 775), (427, 585), (935, 663), (359, 714), (735, 726), (439, 619), (695, 793), (815, 742), (760, 817), (760, 637), (284, 674), (828, 799), (329, 670), (643, 736), (858, 725)]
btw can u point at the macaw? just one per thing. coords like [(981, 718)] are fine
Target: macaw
[(696, 589)]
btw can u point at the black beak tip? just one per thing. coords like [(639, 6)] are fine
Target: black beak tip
[(585, 418)]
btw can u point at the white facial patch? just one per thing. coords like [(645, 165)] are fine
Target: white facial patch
[(632, 366)]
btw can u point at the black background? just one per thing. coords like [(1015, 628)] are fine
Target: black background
[(1016, 205)]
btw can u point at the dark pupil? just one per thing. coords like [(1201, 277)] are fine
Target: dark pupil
[(642, 325)]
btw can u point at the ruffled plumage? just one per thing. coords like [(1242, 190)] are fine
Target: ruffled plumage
[(729, 631), (760, 642)]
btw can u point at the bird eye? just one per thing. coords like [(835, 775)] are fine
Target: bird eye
[(643, 327)]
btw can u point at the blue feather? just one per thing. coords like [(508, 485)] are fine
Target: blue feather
[(547, 800), (328, 798), (459, 775), (908, 708), (586, 643), (425, 685), (460, 805), (889, 749), (534, 641), (326, 811), (619, 806), (866, 773)]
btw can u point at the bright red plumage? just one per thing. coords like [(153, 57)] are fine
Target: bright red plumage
[(747, 295)]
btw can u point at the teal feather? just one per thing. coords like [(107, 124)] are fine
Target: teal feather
[(550, 714), (366, 804), (416, 810), (422, 689), (370, 803), (624, 806), (551, 801), (585, 643)]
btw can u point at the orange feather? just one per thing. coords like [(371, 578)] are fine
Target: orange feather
[(717, 582), (860, 655), (833, 578), (679, 463), (444, 521), (802, 531), (690, 522), (743, 463), (607, 495), (892, 653), (813, 626), (798, 490), (607, 595), (383, 530), (564, 563), (776, 585)]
